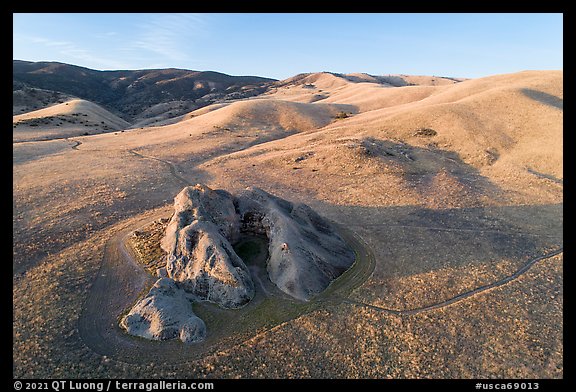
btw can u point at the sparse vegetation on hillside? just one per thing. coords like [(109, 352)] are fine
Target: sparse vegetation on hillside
[(341, 115), (61, 120), (426, 132)]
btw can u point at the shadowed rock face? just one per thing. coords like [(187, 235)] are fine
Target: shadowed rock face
[(306, 254)]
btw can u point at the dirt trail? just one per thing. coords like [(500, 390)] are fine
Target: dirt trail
[(171, 166), (75, 147), (119, 281), (459, 297)]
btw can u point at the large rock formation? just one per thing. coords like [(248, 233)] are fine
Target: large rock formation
[(305, 255), (200, 254)]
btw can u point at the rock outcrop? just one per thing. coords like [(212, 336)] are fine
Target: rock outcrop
[(200, 254), (305, 255), (165, 313)]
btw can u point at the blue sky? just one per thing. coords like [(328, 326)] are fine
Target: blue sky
[(283, 45)]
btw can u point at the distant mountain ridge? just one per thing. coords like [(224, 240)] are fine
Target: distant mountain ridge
[(131, 94), (153, 96)]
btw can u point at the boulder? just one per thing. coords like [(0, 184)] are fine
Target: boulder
[(165, 313)]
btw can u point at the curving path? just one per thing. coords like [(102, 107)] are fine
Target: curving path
[(463, 296), (75, 147), (171, 166)]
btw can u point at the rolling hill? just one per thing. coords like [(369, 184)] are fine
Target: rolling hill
[(71, 118), (133, 95), (453, 188)]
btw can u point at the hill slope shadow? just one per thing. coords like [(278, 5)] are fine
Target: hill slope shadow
[(425, 255), (544, 98)]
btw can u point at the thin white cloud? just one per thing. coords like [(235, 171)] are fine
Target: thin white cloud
[(171, 36), (69, 50), (154, 40)]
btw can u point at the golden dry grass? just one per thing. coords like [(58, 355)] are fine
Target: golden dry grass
[(71, 118), (442, 213)]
